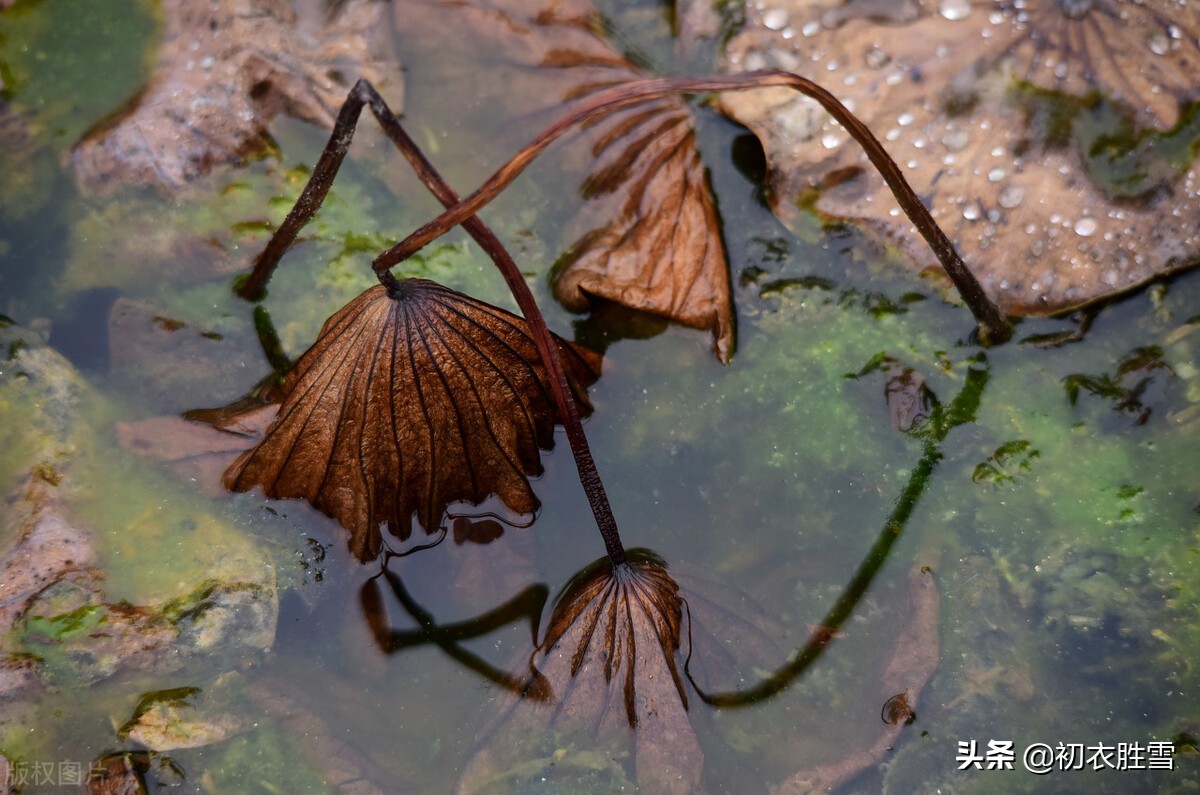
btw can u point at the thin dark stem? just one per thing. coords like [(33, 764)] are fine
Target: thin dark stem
[(993, 326), (253, 287), (589, 476), (960, 411), (527, 605)]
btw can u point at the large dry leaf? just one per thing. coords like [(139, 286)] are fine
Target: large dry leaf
[(648, 236), (224, 71), (964, 94), (609, 657), (409, 401)]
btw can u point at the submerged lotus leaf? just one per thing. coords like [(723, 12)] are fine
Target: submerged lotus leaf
[(409, 400), (647, 236), (609, 662), (1052, 141)]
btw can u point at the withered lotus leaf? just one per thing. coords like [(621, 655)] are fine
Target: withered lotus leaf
[(992, 108), (609, 659), (648, 236), (410, 399), (616, 630), (606, 612), (271, 57)]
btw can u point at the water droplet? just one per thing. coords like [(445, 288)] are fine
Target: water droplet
[(1160, 44), (996, 174), (775, 19), (954, 9), (904, 119), (1075, 9), (811, 28), (1086, 227), (956, 140), (1011, 197), (877, 58), (831, 140), (972, 212), (788, 33)]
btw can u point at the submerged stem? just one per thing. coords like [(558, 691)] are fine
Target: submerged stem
[(993, 326)]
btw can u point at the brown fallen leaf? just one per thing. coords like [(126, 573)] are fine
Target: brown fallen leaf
[(648, 235), (344, 768), (977, 98), (224, 71), (197, 451), (126, 773), (409, 400), (913, 661), (609, 656)]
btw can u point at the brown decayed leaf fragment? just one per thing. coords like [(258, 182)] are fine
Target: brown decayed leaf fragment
[(912, 663), (410, 400), (224, 71), (648, 235), (963, 93)]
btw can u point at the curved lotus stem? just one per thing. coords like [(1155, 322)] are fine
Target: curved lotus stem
[(993, 327), (253, 286)]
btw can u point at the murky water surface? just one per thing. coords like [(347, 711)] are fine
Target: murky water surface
[(1058, 511)]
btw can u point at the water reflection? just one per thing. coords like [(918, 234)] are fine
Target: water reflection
[(604, 697)]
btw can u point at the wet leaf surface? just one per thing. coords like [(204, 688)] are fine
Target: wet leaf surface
[(1019, 128), (648, 235), (408, 402), (224, 71)]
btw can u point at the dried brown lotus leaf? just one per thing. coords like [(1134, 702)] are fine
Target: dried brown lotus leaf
[(408, 401), (648, 236), (959, 92), (610, 653)]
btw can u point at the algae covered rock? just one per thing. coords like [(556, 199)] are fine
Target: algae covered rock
[(79, 602)]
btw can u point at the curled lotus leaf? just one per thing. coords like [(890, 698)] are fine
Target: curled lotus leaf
[(1052, 141), (647, 236), (409, 400)]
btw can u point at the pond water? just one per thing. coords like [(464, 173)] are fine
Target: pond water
[(1055, 505)]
